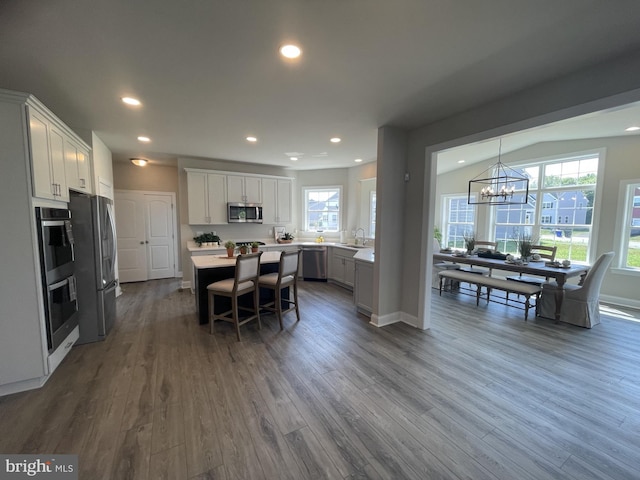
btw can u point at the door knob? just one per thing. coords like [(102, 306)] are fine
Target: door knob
[(147, 241)]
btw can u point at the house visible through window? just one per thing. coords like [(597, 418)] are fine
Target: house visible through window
[(630, 231), (458, 220), (322, 209), (559, 189)]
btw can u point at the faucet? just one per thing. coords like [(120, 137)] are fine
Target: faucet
[(363, 239)]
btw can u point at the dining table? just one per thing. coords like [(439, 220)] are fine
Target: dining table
[(558, 272)]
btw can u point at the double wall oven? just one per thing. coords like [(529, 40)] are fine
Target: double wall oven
[(55, 238)]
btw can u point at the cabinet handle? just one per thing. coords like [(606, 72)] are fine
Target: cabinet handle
[(141, 242)]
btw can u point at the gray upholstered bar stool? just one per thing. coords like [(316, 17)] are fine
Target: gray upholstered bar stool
[(287, 276), (244, 282)]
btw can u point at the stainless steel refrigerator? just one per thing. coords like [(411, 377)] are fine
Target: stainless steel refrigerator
[(95, 258)]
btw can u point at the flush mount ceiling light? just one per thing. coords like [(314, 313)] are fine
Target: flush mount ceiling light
[(335, 140), (294, 159), (290, 51), (632, 129), (460, 161), (131, 101), (358, 160), (139, 162), (498, 184), (144, 139), (251, 139)]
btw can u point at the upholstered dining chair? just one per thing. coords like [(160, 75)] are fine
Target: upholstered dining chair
[(580, 303), (244, 283), (438, 267), (286, 276)]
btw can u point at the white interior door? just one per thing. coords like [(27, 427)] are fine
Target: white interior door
[(130, 228), (159, 231), (145, 224)]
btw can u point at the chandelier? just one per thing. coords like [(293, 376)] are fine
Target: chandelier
[(498, 185)]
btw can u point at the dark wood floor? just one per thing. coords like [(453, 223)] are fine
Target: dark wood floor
[(482, 395)]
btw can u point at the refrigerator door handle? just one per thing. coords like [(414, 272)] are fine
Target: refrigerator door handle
[(112, 224), (72, 288)]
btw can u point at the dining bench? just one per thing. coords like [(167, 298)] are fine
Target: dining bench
[(524, 289)]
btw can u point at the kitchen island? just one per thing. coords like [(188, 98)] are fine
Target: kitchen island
[(208, 269)]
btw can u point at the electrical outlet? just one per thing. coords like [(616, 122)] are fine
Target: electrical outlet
[(270, 231), (214, 232), (198, 234)]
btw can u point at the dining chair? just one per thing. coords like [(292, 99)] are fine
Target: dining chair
[(580, 305), (244, 282), (285, 277), (440, 266)]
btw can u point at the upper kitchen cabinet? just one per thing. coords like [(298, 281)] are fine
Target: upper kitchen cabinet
[(47, 158), (59, 158), (207, 195), (242, 189), (77, 168), (276, 200)]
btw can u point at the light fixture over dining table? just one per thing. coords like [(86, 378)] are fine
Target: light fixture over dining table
[(499, 185)]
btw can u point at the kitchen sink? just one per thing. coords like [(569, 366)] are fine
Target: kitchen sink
[(353, 245)]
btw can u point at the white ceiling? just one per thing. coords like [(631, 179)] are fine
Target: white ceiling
[(608, 123), (208, 72)]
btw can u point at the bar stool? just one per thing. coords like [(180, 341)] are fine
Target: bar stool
[(244, 282), (287, 276)]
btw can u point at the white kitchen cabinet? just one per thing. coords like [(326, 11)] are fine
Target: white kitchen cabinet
[(276, 200), (206, 194), (32, 160), (76, 166), (363, 289), (241, 189), (47, 157), (342, 266)]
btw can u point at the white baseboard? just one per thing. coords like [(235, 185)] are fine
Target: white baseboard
[(620, 301), (395, 317), (22, 386), (186, 284)]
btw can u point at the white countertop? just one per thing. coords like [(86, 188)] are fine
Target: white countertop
[(217, 261), (193, 246), (365, 255)]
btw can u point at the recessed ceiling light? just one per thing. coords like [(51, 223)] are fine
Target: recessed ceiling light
[(293, 158), (131, 101), (358, 160), (460, 161), (632, 129), (144, 139), (251, 139), (290, 51), (139, 162), (336, 140)]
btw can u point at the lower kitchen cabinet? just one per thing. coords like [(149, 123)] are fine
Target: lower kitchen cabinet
[(363, 291), (342, 266)]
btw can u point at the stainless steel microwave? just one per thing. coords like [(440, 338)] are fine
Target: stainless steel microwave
[(244, 212)]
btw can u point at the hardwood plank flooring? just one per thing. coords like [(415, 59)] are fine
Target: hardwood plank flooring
[(482, 395)]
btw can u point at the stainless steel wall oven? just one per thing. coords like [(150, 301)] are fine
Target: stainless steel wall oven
[(56, 246)]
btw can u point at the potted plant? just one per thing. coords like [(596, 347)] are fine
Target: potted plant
[(230, 246), (469, 242), (286, 238), (525, 244), (243, 249), (199, 239), (254, 247)]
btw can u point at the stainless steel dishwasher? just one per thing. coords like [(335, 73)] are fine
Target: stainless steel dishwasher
[(314, 263)]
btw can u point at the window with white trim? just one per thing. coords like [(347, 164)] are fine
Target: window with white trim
[(560, 189), (458, 219), (372, 214), (322, 209), (630, 231)]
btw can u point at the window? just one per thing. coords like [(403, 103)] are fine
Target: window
[(372, 213), (459, 219), (561, 189), (322, 209), (630, 230)]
